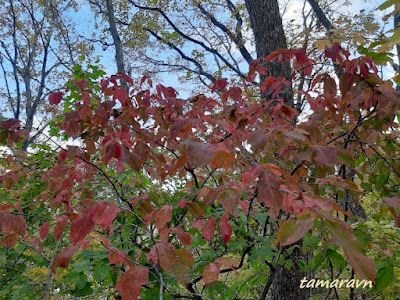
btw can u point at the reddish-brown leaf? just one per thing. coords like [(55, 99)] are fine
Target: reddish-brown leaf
[(186, 257), (195, 209), (10, 123), (81, 227), (6, 207), (116, 257), (268, 191), (291, 231), (104, 214), (163, 216), (245, 205), (227, 262), (229, 199), (167, 256), (9, 240), (63, 258), (394, 201), (250, 177), (59, 229), (184, 237), (62, 156), (326, 155), (44, 231), (130, 283), (220, 84), (235, 93), (223, 160), (209, 229), (12, 223), (342, 234), (198, 154), (226, 229), (211, 273), (55, 98), (9, 183)]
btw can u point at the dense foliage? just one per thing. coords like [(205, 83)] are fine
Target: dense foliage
[(202, 198)]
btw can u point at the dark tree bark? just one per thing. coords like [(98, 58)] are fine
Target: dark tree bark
[(269, 36), (119, 54)]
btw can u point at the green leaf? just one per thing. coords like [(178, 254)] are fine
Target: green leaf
[(337, 259), (383, 278), (78, 279), (262, 253), (101, 272)]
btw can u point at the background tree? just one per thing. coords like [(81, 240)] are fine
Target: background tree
[(38, 50)]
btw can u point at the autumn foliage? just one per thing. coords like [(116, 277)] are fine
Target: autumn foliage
[(230, 158)]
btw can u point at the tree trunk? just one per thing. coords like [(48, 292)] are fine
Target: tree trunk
[(287, 282), (269, 36), (119, 54)]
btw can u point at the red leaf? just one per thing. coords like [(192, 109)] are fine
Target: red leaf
[(211, 273), (342, 234), (12, 223), (227, 262), (62, 156), (198, 154), (334, 52), (268, 191), (177, 127), (182, 204), (162, 217), (6, 207), (292, 231), (81, 227), (44, 231), (63, 258), (229, 199), (184, 237), (326, 155), (223, 160), (220, 84), (119, 153), (245, 205), (9, 240), (112, 150), (168, 92), (116, 257), (86, 98), (198, 224), (209, 229), (226, 229), (104, 214), (130, 283), (394, 201), (195, 209), (10, 123), (167, 256), (249, 178), (55, 98), (60, 228), (125, 77), (235, 93)]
